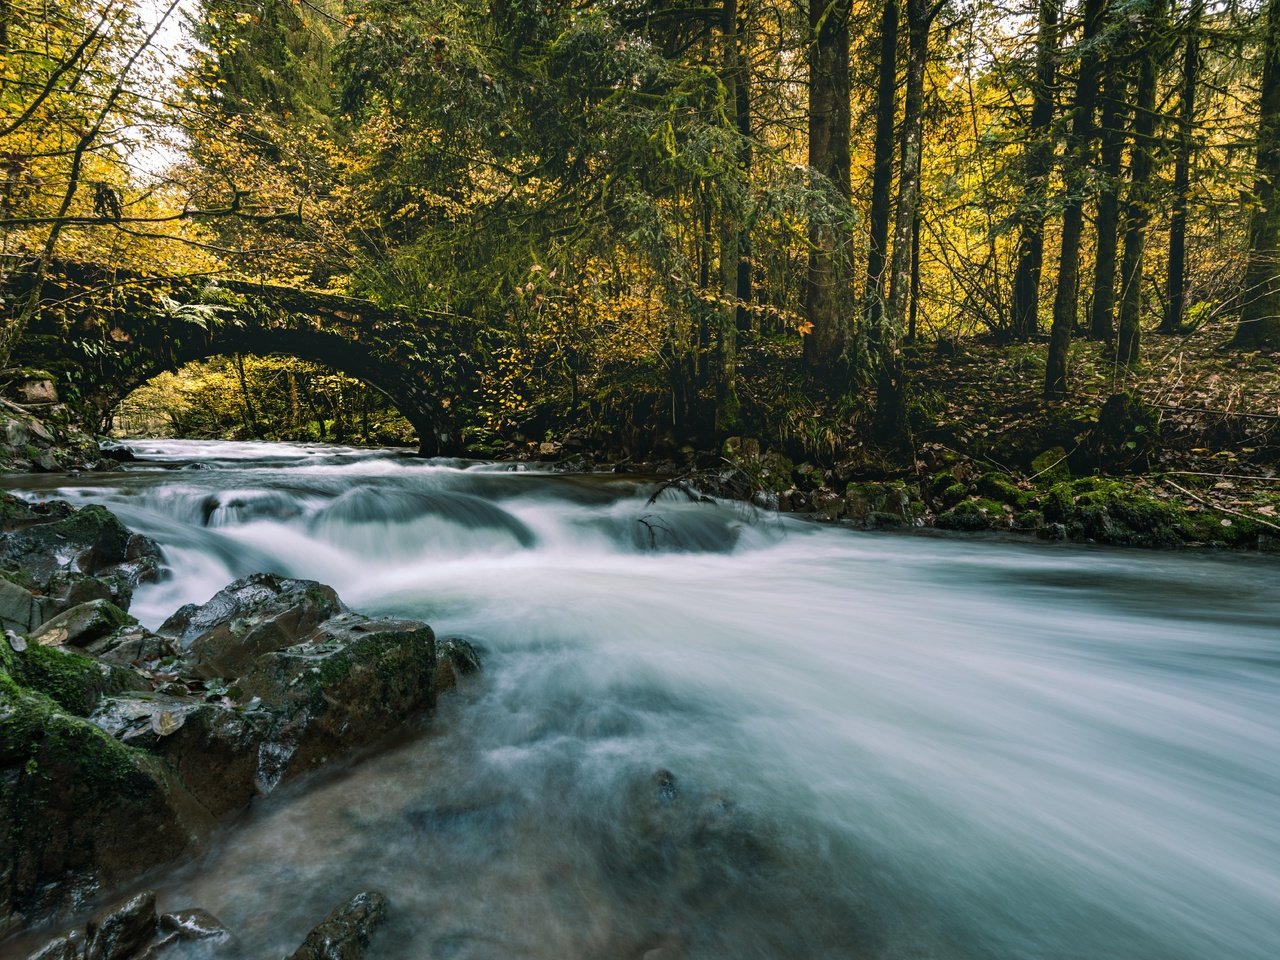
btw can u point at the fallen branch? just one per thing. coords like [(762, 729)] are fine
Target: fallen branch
[(1220, 509)]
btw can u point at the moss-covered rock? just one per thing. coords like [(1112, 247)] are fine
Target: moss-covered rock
[(76, 683), (973, 515), (1051, 466), (68, 556), (78, 810), (1002, 488)]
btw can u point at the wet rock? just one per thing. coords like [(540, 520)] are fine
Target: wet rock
[(195, 924), (129, 931), (133, 646), (214, 750), (79, 811), (49, 547), (349, 682), (345, 934), (117, 932), (253, 616), (879, 505), (827, 504), (20, 609), (793, 500), (81, 625), (455, 658), (90, 588), (675, 843), (116, 451), (69, 946)]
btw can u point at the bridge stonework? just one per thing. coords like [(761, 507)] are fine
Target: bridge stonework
[(102, 334)]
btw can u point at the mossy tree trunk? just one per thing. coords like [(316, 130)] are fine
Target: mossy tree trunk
[(829, 285)]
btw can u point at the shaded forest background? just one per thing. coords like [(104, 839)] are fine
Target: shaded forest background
[(658, 222)]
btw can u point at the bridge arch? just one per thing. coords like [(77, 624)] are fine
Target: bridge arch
[(111, 344), (401, 388)]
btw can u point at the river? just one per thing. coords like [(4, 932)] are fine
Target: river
[(705, 731)]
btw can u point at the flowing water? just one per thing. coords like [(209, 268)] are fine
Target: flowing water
[(716, 733)]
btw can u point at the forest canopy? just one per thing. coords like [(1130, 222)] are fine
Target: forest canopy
[(663, 217)]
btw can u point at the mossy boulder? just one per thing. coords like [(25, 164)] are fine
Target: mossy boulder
[(79, 811), (67, 555), (76, 683), (214, 749), (1051, 466), (1003, 489), (973, 515)]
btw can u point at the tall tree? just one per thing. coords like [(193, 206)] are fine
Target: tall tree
[(1260, 313), (891, 386), (1138, 200), (882, 169), (829, 287), (1115, 90), (1176, 289), (1038, 164), (1079, 143), (731, 230)]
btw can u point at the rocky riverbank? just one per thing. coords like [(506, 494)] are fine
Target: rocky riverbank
[(123, 748)]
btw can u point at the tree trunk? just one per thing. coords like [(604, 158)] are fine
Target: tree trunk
[(1137, 212), (1102, 315), (745, 158), (1078, 148), (891, 386), (882, 172), (730, 238), (1025, 322), (1176, 299), (250, 415), (1259, 325), (828, 290)]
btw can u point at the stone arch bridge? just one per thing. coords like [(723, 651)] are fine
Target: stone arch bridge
[(103, 333)]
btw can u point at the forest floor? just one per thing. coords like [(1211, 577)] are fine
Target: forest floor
[(1215, 441)]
